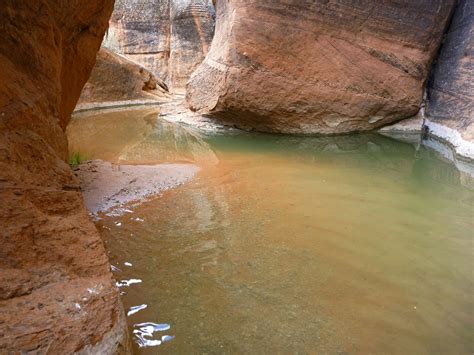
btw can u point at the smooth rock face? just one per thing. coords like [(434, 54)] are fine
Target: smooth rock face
[(168, 37), (450, 111), (57, 294), (115, 78), (301, 66)]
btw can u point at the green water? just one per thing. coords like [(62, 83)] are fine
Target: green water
[(353, 244)]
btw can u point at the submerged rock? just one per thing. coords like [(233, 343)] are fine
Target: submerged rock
[(450, 112), (169, 37), (51, 255), (301, 66)]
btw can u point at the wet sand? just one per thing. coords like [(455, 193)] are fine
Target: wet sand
[(107, 187)]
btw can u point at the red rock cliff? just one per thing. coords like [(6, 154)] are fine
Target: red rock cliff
[(57, 294), (304, 66)]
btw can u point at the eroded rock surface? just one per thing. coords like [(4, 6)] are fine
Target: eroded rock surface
[(302, 66), (115, 78), (408, 131), (450, 113), (57, 294), (169, 37)]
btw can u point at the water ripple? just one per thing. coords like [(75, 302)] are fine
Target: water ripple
[(136, 309)]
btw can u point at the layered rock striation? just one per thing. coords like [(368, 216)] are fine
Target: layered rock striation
[(301, 66), (57, 294), (450, 110), (168, 37)]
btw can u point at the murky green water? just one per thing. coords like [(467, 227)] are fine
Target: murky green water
[(356, 244)]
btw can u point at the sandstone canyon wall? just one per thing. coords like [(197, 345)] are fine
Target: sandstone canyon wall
[(450, 111), (57, 294), (168, 37), (114, 78), (303, 66)]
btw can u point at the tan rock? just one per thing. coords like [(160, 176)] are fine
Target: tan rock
[(410, 125), (301, 66), (115, 78), (409, 130), (57, 295), (168, 37)]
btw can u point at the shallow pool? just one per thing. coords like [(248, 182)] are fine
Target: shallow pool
[(351, 244)]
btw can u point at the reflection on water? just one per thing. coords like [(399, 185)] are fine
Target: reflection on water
[(136, 309), (464, 172), (126, 283), (144, 333), (355, 244), (135, 137)]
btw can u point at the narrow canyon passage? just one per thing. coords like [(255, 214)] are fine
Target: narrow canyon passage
[(288, 244), (236, 176)]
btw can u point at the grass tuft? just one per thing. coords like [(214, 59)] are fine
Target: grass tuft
[(76, 159)]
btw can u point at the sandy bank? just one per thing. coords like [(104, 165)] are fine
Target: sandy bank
[(108, 187)]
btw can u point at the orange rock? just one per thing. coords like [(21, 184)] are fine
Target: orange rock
[(304, 66), (57, 294)]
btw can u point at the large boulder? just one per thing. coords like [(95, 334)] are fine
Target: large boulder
[(57, 293), (115, 78), (450, 111), (305, 66), (169, 37)]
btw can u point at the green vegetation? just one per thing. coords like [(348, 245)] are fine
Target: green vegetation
[(76, 159)]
